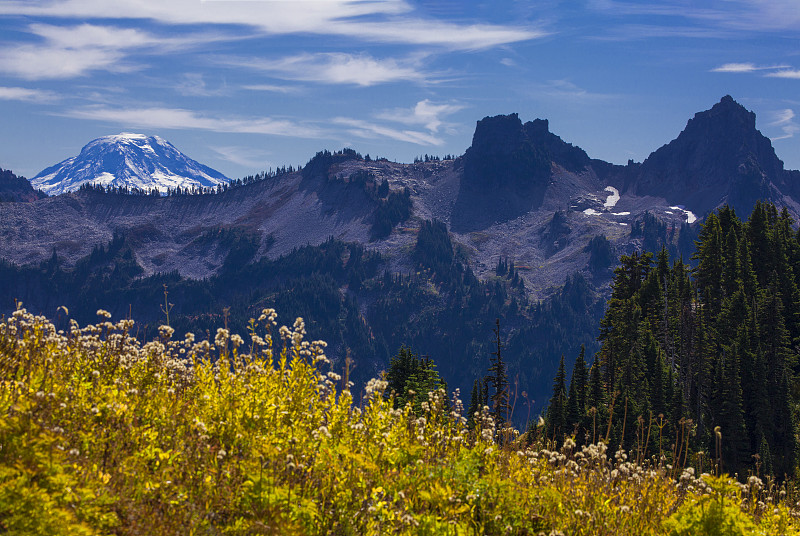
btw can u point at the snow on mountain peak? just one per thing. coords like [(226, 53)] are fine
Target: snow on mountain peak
[(128, 159)]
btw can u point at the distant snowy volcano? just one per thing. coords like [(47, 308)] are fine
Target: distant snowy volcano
[(132, 160)]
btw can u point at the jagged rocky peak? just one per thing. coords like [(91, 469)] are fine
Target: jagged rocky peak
[(562, 153), (130, 160), (527, 149), (500, 134), (719, 157), (729, 109), (508, 168), (724, 135), (731, 128), (501, 156)]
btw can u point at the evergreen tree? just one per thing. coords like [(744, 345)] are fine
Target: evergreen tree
[(498, 375), (576, 399), (401, 368), (411, 378), (475, 404), (730, 414), (555, 420), (596, 402)]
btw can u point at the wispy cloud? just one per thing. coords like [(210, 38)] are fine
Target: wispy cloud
[(178, 118), (786, 73), (270, 88), (385, 21), (243, 156), (425, 113), (565, 89), (448, 35), (27, 95), (195, 85), (774, 71), (32, 62), (337, 68), (732, 15), (758, 15), (785, 120), (745, 68), (72, 51), (368, 130)]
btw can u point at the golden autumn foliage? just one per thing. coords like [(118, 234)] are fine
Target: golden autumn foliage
[(101, 434)]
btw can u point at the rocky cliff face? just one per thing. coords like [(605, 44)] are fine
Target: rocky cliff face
[(508, 169), (720, 157)]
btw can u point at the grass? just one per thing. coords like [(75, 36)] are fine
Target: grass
[(103, 434)]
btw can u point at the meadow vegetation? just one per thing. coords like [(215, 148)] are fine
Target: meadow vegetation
[(103, 434)]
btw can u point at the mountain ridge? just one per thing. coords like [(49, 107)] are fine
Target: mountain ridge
[(509, 185)]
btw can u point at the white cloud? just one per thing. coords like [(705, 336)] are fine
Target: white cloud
[(735, 68), (745, 68), (784, 119), (785, 73), (93, 36), (36, 63), (448, 35), (27, 95), (336, 68), (67, 52), (424, 113), (178, 118), (365, 129), (386, 21)]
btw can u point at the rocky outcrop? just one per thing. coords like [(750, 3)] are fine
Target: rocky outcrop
[(720, 157), (507, 169), (17, 189)]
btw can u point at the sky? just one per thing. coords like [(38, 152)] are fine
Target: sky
[(248, 85)]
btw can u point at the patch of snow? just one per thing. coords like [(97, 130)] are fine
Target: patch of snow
[(131, 136), (104, 178), (623, 223), (626, 213), (591, 212), (612, 199), (690, 217), (667, 212)]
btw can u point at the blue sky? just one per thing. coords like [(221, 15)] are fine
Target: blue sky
[(247, 85)]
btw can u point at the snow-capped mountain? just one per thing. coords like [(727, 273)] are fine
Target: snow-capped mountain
[(132, 160)]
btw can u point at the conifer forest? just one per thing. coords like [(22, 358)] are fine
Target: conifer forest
[(706, 354)]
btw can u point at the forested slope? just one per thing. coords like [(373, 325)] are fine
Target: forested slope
[(710, 353)]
